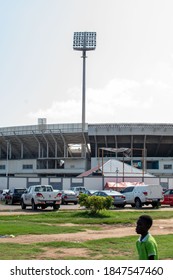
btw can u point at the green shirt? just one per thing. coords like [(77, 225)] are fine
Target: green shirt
[(147, 247)]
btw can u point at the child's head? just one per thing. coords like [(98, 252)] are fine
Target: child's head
[(143, 224)]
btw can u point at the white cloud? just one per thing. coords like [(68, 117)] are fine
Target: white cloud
[(119, 101), (60, 112), (157, 84)]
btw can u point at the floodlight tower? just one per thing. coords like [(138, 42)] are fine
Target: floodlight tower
[(84, 41)]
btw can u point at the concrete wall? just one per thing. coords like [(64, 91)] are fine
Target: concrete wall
[(75, 163), (16, 167), (92, 183)]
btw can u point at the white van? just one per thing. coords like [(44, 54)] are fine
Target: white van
[(78, 189), (141, 195)]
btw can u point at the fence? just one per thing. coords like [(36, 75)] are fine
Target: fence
[(88, 182)]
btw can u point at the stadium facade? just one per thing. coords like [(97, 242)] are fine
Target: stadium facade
[(67, 150)]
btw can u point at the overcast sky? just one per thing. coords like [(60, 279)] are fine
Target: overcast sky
[(129, 77)]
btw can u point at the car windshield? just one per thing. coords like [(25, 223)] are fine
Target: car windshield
[(111, 192), (128, 189), (68, 193), (167, 192), (19, 191), (43, 189)]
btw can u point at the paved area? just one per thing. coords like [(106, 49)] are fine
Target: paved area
[(17, 208)]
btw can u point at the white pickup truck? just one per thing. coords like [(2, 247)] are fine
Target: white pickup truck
[(140, 195), (41, 196)]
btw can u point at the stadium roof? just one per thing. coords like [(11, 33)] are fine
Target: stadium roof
[(57, 140)]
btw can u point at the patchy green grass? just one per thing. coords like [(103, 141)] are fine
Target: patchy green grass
[(9, 251), (103, 249), (56, 222), (84, 217), (22, 228)]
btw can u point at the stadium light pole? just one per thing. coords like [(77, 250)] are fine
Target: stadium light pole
[(7, 142), (84, 41)]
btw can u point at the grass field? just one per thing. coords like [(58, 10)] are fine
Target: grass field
[(55, 222)]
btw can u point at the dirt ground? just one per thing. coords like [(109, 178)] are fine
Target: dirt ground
[(107, 231), (160, 227)]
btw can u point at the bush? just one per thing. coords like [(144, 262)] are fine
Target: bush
[(83, 200), (95, 203)]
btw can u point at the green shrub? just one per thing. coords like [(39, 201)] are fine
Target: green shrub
[(95, 203), (83, 200)]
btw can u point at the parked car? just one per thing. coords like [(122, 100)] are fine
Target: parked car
[(41, 196), (78, 190), (168, 198), (90, 192), (68, 196), (141, 195), (14, 196), (119, 199), (3, 193)]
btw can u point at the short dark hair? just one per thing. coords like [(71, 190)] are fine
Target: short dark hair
[(147, 219)]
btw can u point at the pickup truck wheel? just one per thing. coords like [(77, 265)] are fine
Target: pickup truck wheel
[(34, 207), (23, 205), (138, 203), (56, 207)]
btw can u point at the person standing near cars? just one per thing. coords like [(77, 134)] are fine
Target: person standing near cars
[(146, 245)]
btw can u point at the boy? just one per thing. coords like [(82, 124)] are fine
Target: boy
[(146, 244)]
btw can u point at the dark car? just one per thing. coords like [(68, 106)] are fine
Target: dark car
[(90, 192), (168, 198), (119, 199), (14, 196), (69, 196)]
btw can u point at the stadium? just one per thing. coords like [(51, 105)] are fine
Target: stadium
[(68, 154)]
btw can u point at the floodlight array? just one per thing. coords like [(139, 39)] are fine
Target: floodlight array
[(84, 41)]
